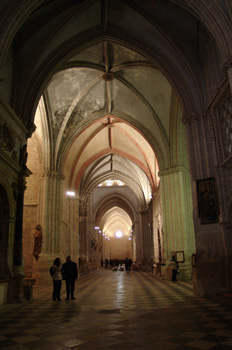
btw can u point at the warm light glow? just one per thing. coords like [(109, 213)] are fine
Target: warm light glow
[(109, 182), (118, 234), (70, 194)]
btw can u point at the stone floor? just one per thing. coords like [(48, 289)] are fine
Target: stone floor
[(117, 311)]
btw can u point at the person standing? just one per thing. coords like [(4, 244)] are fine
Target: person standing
[(126, 264), (175, 267), (57, 279), (70, 274)]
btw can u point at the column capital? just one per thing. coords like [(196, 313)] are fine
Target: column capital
[(54, 174), (176, 169), (195, 116)]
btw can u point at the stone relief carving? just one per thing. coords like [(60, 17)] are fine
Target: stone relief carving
[(7, 141), (6, 138), (195, 117), (23, 155), (226, 127)]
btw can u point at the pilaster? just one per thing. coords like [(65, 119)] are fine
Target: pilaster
[(51, 212), (177, 217)]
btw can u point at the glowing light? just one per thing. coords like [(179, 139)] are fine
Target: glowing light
[(70, 194), (96, 227), (129, 239), (111, 182), (118, 234)]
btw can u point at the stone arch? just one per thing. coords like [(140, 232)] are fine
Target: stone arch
[(106, 205), (112, 199)]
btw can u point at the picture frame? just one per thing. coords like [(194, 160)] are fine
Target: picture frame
[(208, 208), (180, 256)]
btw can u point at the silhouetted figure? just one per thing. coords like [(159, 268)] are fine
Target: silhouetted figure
[(70, 274), (175, 267), (130, 262)]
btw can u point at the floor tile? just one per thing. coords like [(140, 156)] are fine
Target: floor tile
[(116, 312)]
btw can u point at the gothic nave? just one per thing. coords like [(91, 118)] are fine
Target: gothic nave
[(115, 140)]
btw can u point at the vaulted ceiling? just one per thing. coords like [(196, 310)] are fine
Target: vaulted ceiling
[(108, 81)]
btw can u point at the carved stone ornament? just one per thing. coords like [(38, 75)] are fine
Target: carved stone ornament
[(6, 138), (31, 129), (195, 117), (23, 155)]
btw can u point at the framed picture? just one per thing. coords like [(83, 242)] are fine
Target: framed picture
[(208, 208), (180, 256), (194, 260)]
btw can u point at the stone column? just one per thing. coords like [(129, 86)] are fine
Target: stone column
[(16, 283), (73, 226), (147, 242), (84, 238), (177, 216), (50, 216), (51, 212), (138, 241)]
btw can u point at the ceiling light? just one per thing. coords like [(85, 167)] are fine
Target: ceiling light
[(118, 234), (70, 194), (109, 182)]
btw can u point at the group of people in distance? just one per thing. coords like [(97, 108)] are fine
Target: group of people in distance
[(68, 272), (117, 265)]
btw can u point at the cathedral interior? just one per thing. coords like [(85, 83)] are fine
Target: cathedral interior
[(115, 139)]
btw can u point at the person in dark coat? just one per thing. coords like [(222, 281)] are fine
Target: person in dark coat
[(175, 267), (70, 274)]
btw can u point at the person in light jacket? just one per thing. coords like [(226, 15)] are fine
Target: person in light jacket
[(57, 279)]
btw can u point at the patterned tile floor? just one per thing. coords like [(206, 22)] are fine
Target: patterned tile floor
[(117, 311)]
